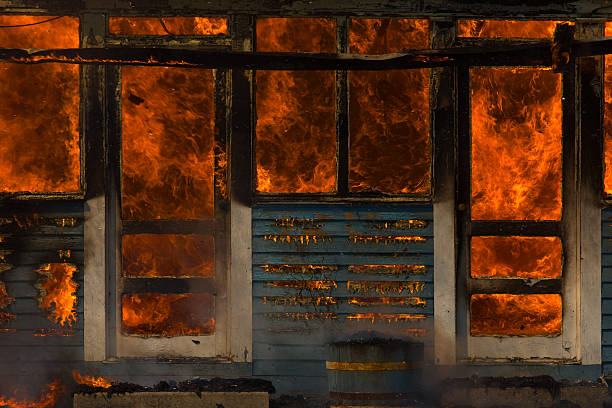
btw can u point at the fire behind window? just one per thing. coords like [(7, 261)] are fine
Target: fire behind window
[(39, 114), (506, 28), (167, 25), (389, 111), (608, 118), (296, 144)]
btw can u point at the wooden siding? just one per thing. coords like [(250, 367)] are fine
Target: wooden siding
[(290, 341), (606, 290)]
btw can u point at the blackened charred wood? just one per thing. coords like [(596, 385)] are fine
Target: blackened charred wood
[(561, 47), (169, 285), (515, 286)]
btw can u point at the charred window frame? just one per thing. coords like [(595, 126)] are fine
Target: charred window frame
[(342, 88), (471, 348), (118, 344)]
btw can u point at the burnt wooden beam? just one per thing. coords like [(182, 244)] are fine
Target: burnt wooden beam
[(169, 285), (509, 228), (168, 227), (515, 286)]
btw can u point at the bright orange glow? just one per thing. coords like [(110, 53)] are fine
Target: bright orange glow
[(168, 140), (384, 239), (399, 317), (389, 269), (91, 380), (299, 300), (301, 316), (174, 25), (152, 314), (48, 398), (300, 269), (393, 301), (296, 117), (400, 224), (516, 257), (304, 284), (516, 144), (57, 292), (168, 255), (298, 239), (506, 28), (384, 287), (608, 117), (516, 315), (54, 332), (389, 111), (39, 115)]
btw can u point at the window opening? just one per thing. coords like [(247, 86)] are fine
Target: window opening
[(167, 26), (506, 28)]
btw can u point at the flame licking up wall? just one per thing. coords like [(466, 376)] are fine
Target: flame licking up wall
[(389, 111), (92, 381), (506, 28), (48, 398), (388, 269), (168, 140), (5, 301), (167, 25), (312, 285), (152, 314), (296, 144), (39, 115), (516, 315), (608, 117), (516, 144), (384, 287), (516, 257), (57, 292), (168, 255)]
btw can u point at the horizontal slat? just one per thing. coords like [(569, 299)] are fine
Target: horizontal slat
[(606, 275), (169, 285), (606, 338), (41, 353), (38, 320), (306, 368), (341, 306), (42, 242), (294, 385), (262, 258), (339, 228), (606, 354), (28, 274), (15, 229), (343, 325), (341, 274), (27, 338), (27, 257), (606, 320), (315, 352), (522, 228), (515, 286), (263, 289), (343, 245), (47, 208), (606, 245), (606, 306), (606, 290), (27, 290), (343, 212)]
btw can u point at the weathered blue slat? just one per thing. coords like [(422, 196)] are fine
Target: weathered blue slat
[(420, 289), (342, 274), (606, 294), (333, 244), (345, 227), (261, 258), (341, 306), (343, 212)]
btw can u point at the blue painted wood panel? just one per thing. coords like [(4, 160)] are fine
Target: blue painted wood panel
[(606, 289), (334, 272)]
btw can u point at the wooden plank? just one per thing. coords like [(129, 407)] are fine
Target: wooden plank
[(343, 228), (24, 338), (27, 257), (47, 208), (606, 305), (606, 260), (606, 293), (342, 259), (14, 229), (424, 290), (341, 306), (342, 326), (41, 353), (354, 212), (22, 290), (332, 244), (28, 274), (264, 351), (341, 275), (38, 320), (606, 320), (606, 275), (24, 306), (298, 385), (304, 368), (606, 338), (43, 242)]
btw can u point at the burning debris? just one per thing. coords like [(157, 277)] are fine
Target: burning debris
[(385, 239), (389, 108), (506, 28), (57, 292), (295, 142), (92, 381), (516, 315), (310, 285), (301, 239), (26, 222), (152, 314), (5, 301), (300, 269), (384, 287), (167, 25), (300, 300), (48, 398), (301, 316), (400, 224), (388, 317), (62, 332), (392, 301), (388, 269), (297, 222)]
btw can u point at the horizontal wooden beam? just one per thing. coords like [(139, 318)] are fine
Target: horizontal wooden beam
[(168, 227), (514, 286), (518, 228), (168, 285)]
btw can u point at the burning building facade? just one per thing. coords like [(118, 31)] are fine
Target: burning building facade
[(167, 213)]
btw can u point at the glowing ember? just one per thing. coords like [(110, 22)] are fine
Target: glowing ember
[(385, 239), (389, 111), (401, 224), (57, 292), (168, 255), (91, 380), (168, 139), (301, 316), (48, 399), (393, 301), (516, 257), (516, 144), (306, 285), (383, 287), (415, 332), (296, 222), (372, 317), (64, 253), (167, 25), (506, 28), (300, 269), (54, 332), (388, 269), (296, 120), (301, 239), (608, 117), (221, 170), (300, 300), (516, 315), (152, 314), (39, 116)]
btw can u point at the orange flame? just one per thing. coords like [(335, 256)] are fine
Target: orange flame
[(388, 269), (296, 222), (389, 111), (401, 224), (301, 316), (54, 332), (516, 257), (516, 144), (174, 25), (168, 255), (6, 300), (516, 315), (39, 116), (372, 317), (300, 300), (301, 239), (386, 239), (306, 285), (383, 287), (57, 292), (152, 314), (301, 269), (48, 399), (393, 301), (92, 381), (608, 117), (168, 139), (296, 120), (506, 28)]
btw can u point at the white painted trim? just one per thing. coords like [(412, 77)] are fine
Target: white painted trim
[(445, 342), (94, 293)]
